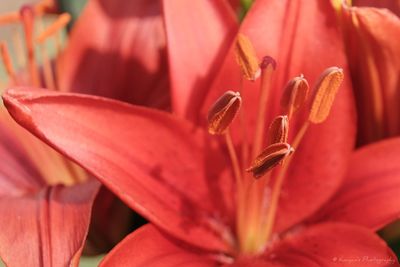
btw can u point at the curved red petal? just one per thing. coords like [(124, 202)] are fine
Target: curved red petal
[(148, 247), (370, 194), (327, 245), (304, 39), (198, 34), (117, 49), (154, 162), (393, 6), (374, 59), (48, 227)]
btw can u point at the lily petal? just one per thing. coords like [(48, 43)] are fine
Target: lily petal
[(18, 174), (370, 194), (296, 34), (393, 6), (152, 161), (117, 49), (374, 59), (327, 245), (34, 164), (148, 247), (48, 227), (197, 43)]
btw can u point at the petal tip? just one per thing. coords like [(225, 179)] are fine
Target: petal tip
[(12, 101)]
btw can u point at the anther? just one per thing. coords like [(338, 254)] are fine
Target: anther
[(246, 58), (269, 158), (222, 113), (295, 95), (58, 24), (326, 89), (278, 130)]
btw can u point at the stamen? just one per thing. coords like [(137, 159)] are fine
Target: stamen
[(278, 130), (269, 158), (246, 58), (57, 25), (47, 69), (15, 17), (268, 65), (243, 127), (223, 112), (295, 95), (326, 89), (5, 55), (45, 6), (27, 17), (18, 47), (12, 17)]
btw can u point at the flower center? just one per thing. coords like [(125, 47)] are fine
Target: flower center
[(41, 36), (259, 182)]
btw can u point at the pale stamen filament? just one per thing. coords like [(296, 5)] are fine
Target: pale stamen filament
[(51, 31), (5, 55), (18, 47), (47, 69), (27, 19), (243, 123), (277, 187), (266, 77)]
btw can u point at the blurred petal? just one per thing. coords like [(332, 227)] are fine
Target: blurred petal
[(18, 174), (31, 162), (296, 34), (46, 228), (148, 247), (197, 43), (373, 49), (392, 5), (370, 194), (117, 49), (153, 162), (328, 245)]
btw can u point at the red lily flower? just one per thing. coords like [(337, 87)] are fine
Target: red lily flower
[(46, 199), (371, 38), (170, 171), (46, 216), (32, 181)]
